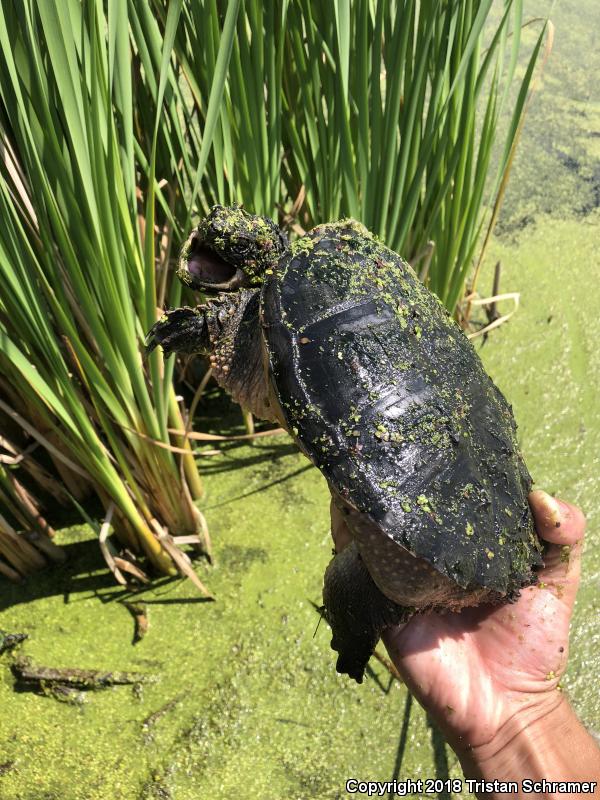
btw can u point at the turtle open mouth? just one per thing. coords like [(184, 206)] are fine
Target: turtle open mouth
[(203, 268)]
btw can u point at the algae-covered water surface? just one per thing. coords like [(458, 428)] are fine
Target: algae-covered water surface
[(243, 699)]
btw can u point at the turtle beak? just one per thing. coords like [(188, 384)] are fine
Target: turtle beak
[(201, 268)]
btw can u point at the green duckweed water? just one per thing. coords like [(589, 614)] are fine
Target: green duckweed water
[(252, 705), (546, 360), (258, 703)]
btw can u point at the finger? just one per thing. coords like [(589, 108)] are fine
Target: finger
[(556, 521)]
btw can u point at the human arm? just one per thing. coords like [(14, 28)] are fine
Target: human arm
[(489, 675)]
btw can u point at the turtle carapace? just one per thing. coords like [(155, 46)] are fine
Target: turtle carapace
[(335, 337)]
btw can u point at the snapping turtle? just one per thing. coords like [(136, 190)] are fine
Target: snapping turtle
[(335, 338)]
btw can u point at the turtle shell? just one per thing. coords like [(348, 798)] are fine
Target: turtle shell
[(389, 399)]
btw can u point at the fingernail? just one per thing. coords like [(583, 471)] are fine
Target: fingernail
[(564, 509), (550, 506)]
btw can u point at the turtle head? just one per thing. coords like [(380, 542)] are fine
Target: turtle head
[(230, 249)]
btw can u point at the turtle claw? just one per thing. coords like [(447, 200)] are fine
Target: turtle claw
[(182, 330), (352, 661)]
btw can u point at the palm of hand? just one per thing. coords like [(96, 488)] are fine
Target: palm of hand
[(477, 669)]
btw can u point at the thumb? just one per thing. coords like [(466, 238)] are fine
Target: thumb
[(561, 528)]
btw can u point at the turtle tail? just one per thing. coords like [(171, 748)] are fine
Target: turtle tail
[(182, 330)]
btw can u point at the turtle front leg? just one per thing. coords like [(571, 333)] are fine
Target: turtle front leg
[(356, 610), (227, 330)]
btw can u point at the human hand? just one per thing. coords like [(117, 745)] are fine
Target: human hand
[(487, 672)]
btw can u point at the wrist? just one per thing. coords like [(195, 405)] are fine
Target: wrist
[(519, 737), (544, 740)]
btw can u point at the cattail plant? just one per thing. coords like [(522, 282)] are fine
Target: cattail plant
[(386, 111), (92, 141)]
